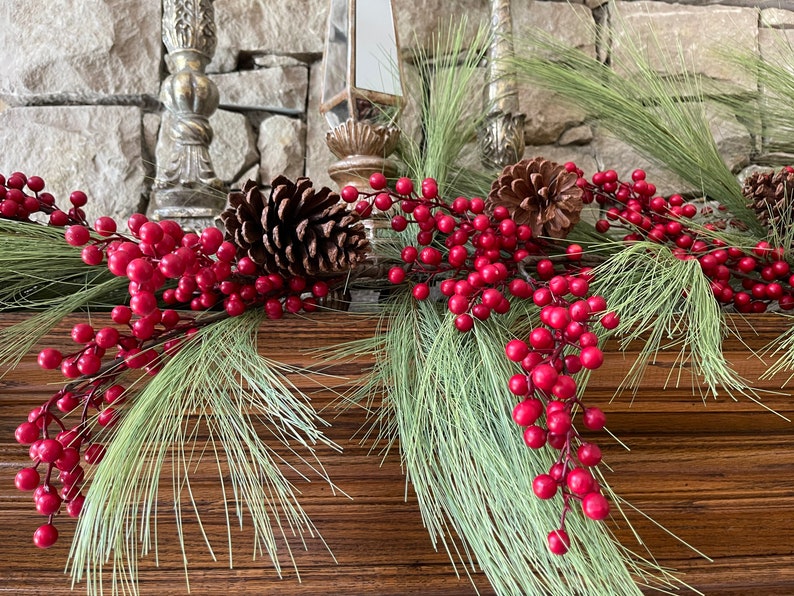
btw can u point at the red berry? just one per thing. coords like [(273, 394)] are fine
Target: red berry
[(610, 320), (589, 454), (349, 194), (91, 255), (464, 323), (534, 437), (527, 412), (579, 481), (558, 541), (396, 275), (404, 186), (559, 422), (595, 506), (78, 198), (50, 358), (27, 479), (594, 418), (591, 357), (544, 377), (75, 506), (421, 291), (516, 350), (94, 453), (48, 503), (50, 450), (77, 235), (377, 181), (544, 486), (45, 536)]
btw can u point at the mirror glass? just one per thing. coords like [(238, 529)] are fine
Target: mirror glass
[(376, 48)]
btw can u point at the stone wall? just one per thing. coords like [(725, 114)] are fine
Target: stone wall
[(79, 83)]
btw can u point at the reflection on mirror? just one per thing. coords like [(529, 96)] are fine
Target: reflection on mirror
[(336, 50), (376, 48)]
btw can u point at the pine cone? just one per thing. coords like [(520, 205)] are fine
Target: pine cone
[(539, 193), (296, 230), (771, 196)]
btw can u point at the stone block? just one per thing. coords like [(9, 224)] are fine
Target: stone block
[(295, 28), (57, 49), (659, 31), (777, 18), (548, 116), (264, 89), (96, 149), (282, 146), (582, 155), (578, 135), (420, 21), (233, 148)]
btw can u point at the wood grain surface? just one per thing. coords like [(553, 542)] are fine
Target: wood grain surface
[(719, 474)]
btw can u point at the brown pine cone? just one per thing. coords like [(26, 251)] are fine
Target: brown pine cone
[(539, 193), (296, 230), (771, 196)]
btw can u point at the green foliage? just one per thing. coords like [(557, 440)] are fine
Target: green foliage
[(41, 272), (444, 395), (449, 83), (667, 303), (217, 386), (665, 119)]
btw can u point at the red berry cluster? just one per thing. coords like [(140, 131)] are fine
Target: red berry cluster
[(480, 262), (475, 257), (165, 267), (556, 351), (748, 279), (21, 196)]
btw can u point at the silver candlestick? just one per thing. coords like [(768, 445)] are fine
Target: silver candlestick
[(501, 138), (186, 188)]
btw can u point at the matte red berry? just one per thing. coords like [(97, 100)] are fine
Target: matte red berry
[(544, 486), (559, 542), (45, 536)]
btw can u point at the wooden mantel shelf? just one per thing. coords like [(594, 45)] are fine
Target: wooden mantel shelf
[(719, 474)]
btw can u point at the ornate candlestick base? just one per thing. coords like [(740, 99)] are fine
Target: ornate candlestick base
[(362, 149), (501, 139)]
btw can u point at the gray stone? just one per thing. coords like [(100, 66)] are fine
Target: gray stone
[(776, 17), (276, 61), (547, 115), (58, 49), (295, 28), (733, 139), (233, 148), (578, 135), (151, 130), (657, 30), (250, 174), (420, 21), (318, 156), (572, 24), (264, 89), (582, 155), (612, 154), (282, 146), (96, 149)]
